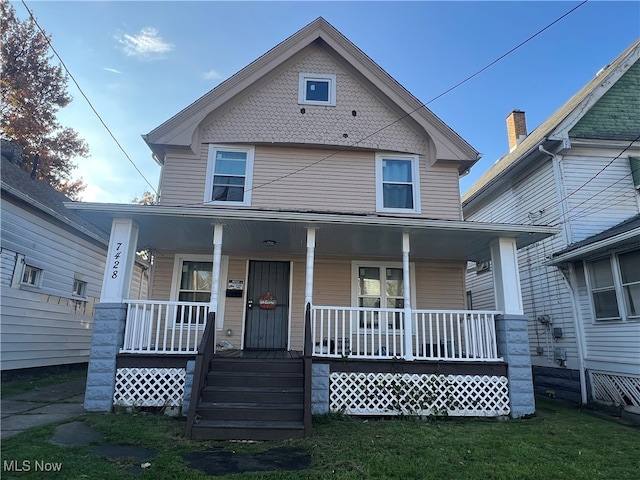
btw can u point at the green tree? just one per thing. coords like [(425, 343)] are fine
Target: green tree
[(33, 90)]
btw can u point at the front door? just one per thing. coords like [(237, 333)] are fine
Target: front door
[(267, 306)]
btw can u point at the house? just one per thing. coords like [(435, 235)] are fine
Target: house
[(309, 255), (578, 170), (52, 262)]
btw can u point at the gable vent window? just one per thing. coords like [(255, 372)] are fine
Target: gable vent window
[(317, 89), (229, 175)]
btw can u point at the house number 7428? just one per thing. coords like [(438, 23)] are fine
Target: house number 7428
[(116, 261)]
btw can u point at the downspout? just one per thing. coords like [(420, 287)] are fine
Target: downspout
[(572, 280), (572, 276)]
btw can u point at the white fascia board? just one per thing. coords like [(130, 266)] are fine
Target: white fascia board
[(407, 223)]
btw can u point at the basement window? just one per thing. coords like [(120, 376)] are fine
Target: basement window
[(317, 89)]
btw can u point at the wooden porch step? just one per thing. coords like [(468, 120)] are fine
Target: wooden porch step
[(235, 394), (255, 379), (222, 364), (256, 411), (246, 430)]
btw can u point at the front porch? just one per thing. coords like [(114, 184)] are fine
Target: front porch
[(373, 344)]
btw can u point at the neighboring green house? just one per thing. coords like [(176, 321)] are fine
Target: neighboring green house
[(579, 170)]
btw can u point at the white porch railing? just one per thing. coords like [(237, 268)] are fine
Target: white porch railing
[(357, 332), (154, 327)]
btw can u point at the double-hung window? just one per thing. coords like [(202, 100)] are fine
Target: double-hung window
[(397, 183), (229, 175), (614, 283)]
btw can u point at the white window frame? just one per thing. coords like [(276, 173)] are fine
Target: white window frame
[(82, 293), (303, 78), (37, 283), (355, 266), (618, 288), (248, 176), (179, 259), (415, 183)]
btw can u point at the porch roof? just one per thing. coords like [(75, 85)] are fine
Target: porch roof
[(365, 235)]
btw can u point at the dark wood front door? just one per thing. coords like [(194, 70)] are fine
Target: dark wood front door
[(267, 305)]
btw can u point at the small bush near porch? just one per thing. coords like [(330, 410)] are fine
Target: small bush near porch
[(561, 442)]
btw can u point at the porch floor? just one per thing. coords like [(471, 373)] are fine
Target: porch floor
[(260, 354)]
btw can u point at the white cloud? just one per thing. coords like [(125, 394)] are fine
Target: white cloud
[(112, 70), (145, 43), (211, 75)]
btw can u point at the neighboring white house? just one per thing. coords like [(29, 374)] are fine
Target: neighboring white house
[(52, 261), (580, 170)]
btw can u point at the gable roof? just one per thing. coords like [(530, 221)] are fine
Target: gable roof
[(178, 131), (41, 196), (556, 128)]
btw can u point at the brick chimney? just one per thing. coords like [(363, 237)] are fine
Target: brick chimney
[(516, 128)]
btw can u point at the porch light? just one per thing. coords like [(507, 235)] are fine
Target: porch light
[(269, 243)]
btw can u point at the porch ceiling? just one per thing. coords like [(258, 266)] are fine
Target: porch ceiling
[(190, 229)]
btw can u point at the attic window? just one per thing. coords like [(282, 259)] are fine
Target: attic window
[(317, 89)]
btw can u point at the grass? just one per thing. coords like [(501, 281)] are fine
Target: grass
[(28, 382), (560, 442)]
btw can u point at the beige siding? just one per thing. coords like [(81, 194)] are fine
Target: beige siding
[(271, 113), (313, 179), (439, 285)]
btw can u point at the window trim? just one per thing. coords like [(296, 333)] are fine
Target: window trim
[(415, 172), (192, 257), (356, 264), (83, 291), (38, 277), (618, 289), (303, 78), (248, 174)]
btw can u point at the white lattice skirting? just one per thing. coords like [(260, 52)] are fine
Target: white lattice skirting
[(427, 394), (149, 387), (618, 389)]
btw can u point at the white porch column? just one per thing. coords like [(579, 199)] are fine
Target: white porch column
[(311, 247), (121, 257), (408, 313), (217, 259), (506, 276)]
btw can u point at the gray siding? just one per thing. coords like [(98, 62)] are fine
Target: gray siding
[(599, 191), (47, 326), (532, 199)]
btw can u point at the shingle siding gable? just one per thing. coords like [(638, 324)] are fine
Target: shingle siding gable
[(616, 115), (272, 114)]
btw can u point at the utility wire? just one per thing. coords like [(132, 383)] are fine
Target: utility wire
[(424, 105), (87, 98)]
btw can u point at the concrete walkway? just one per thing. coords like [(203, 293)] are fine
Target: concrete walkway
[(42, 406)]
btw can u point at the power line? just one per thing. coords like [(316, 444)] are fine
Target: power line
[(86, 98), (423, 105)]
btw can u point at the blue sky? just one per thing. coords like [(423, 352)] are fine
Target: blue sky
[(140, 63)]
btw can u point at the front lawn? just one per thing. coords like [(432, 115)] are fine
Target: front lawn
[(560, 442)]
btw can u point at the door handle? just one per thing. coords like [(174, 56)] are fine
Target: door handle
[(250, 304)]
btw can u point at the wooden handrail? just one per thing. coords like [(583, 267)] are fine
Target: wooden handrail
[(308, 347), (308, 350), (206, 349)]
